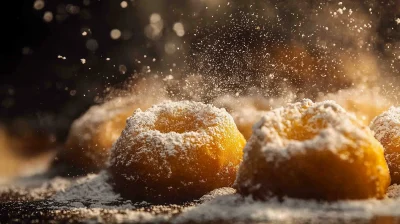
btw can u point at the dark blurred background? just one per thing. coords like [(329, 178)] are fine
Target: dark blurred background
[(42, 72), (61, 56)]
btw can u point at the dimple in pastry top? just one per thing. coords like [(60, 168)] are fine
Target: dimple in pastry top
[(307, 150), (176, 151)]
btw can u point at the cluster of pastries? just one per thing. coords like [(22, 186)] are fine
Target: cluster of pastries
[(167, 152)]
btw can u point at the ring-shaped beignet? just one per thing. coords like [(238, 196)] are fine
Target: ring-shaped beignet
[(313, 151), (175, 152)]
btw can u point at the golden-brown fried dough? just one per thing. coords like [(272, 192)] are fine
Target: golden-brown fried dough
[(176, 151), (92, 135), (387, 130), (312, 150)]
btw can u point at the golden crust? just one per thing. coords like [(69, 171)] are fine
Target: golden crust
[(313, 150), (92, 135), (387, 130), (175, 152)]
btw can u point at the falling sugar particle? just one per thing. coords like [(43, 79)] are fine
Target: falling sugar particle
[(153, 30), (84, 33), (124, 4), (38, 4), (83, 61), (155, 18), (48, 16), (115, 34), (179, 29)]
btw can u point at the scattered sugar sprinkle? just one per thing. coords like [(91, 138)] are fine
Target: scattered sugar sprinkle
[(242, 210), (271, 125), (92, 189), (388, 123), (124, 4), (92, 198), (34, 190), (142, 126), (93, 195)]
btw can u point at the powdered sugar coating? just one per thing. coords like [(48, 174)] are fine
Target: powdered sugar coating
[(92, 135), (386, 128), (309, 142), (142, 126), (182, 149), (216, 193), (387, 123), (103, 112), (330, 123)]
